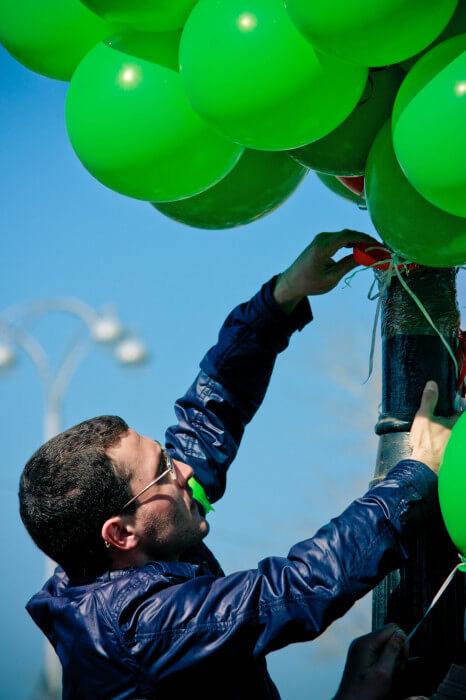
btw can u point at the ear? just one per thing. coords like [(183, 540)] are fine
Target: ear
[(119, 533)]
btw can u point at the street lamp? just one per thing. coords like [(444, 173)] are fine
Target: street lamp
[(94, 327), (7, 356), (107, 328), (131, 351)]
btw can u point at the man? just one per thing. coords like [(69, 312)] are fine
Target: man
[(141, 609)]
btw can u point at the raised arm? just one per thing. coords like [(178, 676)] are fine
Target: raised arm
[(235, 372)]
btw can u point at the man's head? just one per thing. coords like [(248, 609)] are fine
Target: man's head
[(74, 488), (167, 520)]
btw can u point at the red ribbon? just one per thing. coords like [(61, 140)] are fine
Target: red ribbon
[(355, 183), (369, 254)]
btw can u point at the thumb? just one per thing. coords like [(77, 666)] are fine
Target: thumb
[(391, 652), (343, 266), (429, 399)]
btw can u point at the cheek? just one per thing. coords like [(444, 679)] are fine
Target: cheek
[(163, 517)]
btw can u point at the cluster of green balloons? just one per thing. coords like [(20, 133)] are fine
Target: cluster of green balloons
[(214, 110)]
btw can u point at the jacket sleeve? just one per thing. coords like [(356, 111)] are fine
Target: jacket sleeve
[(230, 387), (289, 599)]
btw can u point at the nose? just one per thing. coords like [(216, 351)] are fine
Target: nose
[(183, 473)]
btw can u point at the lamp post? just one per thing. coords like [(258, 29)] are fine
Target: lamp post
[(93, 328)]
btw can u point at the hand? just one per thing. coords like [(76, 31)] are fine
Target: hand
[(315, 272), (429, 434), (371, 663)]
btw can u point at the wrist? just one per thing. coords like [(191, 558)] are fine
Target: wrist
[(283, 293), (426, 458)]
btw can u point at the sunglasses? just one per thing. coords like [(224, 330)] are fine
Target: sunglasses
[(169, 469)]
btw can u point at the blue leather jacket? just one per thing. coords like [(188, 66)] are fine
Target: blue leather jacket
[(165, 629)]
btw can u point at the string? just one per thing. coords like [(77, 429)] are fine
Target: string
[(437, 597), (373, 339), (384, 280), (384, 283), (350, 277), (429, 319)]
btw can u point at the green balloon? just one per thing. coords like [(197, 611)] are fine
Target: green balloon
[(370, 33), (257, 185), (457, 25), (334, 184), (344, 151), (407, 222), (146, 15), (246, 69), (50, 37), (132, 127), (452, 485), (429, 126)]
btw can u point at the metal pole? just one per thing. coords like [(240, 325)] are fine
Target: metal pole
[(52, 667), (412, 353)]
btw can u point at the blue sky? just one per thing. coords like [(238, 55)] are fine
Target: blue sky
[(308, 452)]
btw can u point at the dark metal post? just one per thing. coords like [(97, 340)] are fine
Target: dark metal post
[(412, 353)]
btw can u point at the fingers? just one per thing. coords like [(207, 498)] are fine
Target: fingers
[(390, 653), (429, 399), (344, 239), (380, 637)]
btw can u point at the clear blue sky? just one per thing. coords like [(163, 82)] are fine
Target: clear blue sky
[(308, 452)]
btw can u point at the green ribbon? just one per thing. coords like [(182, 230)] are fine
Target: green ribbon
[(200, 495), (385, 278)]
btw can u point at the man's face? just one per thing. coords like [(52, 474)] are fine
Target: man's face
[(167, 520)]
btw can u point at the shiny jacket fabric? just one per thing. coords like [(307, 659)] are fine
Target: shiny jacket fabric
[(166, 628)]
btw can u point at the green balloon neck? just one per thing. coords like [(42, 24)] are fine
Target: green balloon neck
[(200, 495), (161, 49), (462, 566)]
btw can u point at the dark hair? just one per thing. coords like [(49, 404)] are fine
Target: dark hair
[(67, 491)]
